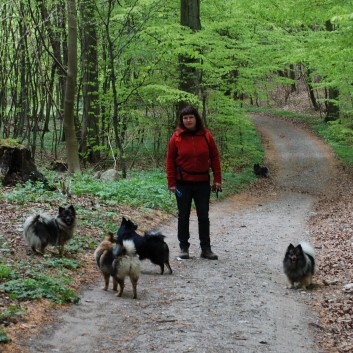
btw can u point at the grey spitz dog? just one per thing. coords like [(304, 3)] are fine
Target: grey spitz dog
[(118, 261), (40, 230), (299, 264)]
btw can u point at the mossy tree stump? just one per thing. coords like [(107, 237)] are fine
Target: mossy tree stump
[(17, 165)]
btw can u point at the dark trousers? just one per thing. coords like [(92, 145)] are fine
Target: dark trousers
[(200, 193)]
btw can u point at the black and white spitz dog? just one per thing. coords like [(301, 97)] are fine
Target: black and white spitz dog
[(41, 229), (150, 246), (118, 261), (299, 264)]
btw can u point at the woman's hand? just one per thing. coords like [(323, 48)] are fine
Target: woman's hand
[(172, 189), (216, 187)]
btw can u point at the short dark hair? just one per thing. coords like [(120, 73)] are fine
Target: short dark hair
[(190, 110)]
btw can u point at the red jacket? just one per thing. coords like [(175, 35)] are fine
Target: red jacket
[(190, 156)]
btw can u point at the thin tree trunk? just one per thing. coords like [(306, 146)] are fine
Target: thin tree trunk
[(332, 108), (189, 76), (69, 120), (89, 128)]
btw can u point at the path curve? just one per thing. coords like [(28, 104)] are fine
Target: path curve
[(239, 303)]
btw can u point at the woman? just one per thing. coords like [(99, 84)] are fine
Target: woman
[(192, 152)]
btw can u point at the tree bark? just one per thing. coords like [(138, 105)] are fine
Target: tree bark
[(90, 86), (189, 76), (332, 108), (69, 119)]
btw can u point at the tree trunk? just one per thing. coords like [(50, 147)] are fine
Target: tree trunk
[(332, 108), (308, 80), (69, 120), (119, 125), (189, 76), (89, 129)]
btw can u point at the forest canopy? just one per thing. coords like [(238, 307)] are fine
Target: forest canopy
[(107, 77)]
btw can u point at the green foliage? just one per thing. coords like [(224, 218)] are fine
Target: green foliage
[(3, 336), (39, 280), (32, 192), (6, 271), (40, 285), (10, 143), (9, 314), (339, 135), (61, 263), (143, 189)]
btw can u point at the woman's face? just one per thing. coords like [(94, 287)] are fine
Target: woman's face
[(189, 122)]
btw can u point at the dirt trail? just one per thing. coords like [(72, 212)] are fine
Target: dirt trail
[(239, 303)]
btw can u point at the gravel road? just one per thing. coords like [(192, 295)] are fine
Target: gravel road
[(239, 303)]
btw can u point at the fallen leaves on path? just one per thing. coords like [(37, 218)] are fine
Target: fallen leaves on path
[(332, 231)]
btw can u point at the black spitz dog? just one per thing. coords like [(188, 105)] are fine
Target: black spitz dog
[(118, 261), (40, 230), (150, 246), (299, 264), (261, 171)]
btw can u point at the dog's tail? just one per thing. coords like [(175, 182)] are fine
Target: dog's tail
[(30, 235), (154, 234), (310, 252), (31, 220), (307, 248), (129, 246)]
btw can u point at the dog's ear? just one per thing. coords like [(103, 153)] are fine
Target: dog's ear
[(290, 247), (61, 209), (131, 225), (111, 237)]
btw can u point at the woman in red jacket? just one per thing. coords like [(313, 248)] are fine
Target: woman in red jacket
[(192, 152)]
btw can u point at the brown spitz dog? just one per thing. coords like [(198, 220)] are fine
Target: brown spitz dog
[(41, 229), (299, 264), (118, 261)]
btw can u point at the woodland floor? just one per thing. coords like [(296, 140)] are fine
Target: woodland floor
[(239, 303)]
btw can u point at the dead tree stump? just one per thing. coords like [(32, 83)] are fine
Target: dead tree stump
[(17, 166)]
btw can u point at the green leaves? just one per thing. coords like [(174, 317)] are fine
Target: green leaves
[(143, 189), (39, 283)]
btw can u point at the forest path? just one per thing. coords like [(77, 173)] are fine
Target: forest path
[(239, 303)]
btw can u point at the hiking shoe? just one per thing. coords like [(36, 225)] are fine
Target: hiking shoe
[(208, 254), (184, 254)]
